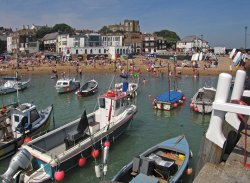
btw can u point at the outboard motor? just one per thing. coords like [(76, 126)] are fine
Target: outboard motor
[(21, 160)]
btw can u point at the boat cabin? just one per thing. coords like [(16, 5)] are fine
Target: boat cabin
[(64, 83), (111, 105), (24, 116)]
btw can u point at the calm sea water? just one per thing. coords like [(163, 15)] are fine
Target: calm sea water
[(148, 127)]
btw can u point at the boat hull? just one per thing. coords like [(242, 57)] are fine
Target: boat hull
[(21, 86), (85, 94), (67, 89), (182, 147), (204, 108), (10, 148), (70, 160), (168, 100), (203, 100)]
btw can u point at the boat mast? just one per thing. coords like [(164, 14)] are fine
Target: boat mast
[(168, 83), (174, 73), (17, 94)]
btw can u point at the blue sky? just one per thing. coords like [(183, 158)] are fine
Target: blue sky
[(221, 22)]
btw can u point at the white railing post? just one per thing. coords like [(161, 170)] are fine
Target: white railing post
[(238, 89), (214, 132)]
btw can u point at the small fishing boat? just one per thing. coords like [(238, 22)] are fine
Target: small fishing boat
[(25, 122), (165, 162), (129, 85), (89, 88), (203, 100), (66, 85), (12, 85), (169, 100), (70, 145)]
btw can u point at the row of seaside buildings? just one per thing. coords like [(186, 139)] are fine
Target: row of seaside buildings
[(131, 41)]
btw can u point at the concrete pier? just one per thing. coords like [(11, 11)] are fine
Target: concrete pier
[(222, 156), (232, 170)]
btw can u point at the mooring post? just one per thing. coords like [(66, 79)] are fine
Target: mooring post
[(238, 89), (214, 132), (212, 144)]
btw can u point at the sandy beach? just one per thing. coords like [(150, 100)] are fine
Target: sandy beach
[(139, 61)]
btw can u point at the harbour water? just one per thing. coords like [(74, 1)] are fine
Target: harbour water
[(148, 127)]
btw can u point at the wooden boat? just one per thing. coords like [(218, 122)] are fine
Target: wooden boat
[(63, 147), (10, 86), (66, 85), (165, 162), (89, 88), (203, 100), (25, 121)]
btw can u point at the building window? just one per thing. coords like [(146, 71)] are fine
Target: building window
[(99, 50), (91, 51), (86, 51), (104, 50)]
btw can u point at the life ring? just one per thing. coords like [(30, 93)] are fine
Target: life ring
[(111, 93)]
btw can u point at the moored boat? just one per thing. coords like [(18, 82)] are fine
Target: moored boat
[(10, 86), (62, 148), (168, 100), (203, 100), (25, 122), (89, 88), (165, 162), (129, 85), (66, 85)]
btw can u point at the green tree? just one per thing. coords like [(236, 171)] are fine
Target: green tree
[(167, 35), (3, 46), (43, 31), (63, 28), (105, 30)]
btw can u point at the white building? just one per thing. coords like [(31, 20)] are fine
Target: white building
[(112, 40), (219, 50), (91, 44), (9, 44), (191, 44)]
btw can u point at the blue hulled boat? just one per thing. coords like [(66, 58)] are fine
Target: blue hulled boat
[(165, 162)]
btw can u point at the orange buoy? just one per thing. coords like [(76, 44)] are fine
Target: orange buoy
[(27, 139), (59, 175), (175, 105), (196, 109), (183, 98), (95, 153), (189, 171), (67, 89), (181, 101), (107, 143), (191, 105), (150, 97), (82, 161), (3, 109)]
